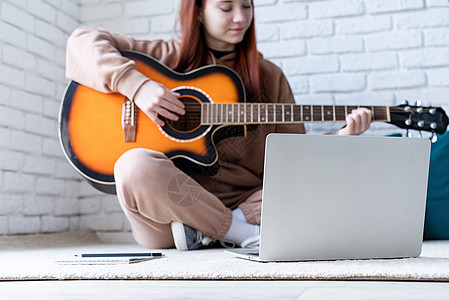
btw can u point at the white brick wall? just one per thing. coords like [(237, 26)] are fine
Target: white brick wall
[(367, 52), (32, 183), (333, 52)]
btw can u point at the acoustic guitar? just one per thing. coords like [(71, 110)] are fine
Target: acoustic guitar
[(95, 129)]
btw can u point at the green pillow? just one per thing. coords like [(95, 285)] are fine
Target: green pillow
[(436, 225)]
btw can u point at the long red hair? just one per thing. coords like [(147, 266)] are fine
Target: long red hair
[(194, 51)]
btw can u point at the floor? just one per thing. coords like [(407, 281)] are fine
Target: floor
[(167, 289)]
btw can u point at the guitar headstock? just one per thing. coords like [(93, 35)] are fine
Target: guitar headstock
[(417, 117)]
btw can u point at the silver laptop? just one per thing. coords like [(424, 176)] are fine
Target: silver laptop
[(341, 197)]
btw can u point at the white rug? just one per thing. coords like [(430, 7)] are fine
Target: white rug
[(32, 258)]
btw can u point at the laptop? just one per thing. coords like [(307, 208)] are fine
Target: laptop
[(341, 197)]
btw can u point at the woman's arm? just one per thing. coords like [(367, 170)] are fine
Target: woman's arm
[(93, 59)]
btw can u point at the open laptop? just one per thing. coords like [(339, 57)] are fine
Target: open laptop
[(341, 197)]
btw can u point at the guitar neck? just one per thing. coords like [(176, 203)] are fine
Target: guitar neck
[(268, 113)]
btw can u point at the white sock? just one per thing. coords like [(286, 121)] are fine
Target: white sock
[(238, 213), (240, 231)]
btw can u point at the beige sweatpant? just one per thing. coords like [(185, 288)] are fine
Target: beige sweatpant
[(153, 192)]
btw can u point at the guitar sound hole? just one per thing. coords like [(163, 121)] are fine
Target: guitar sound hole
[(192, 118)]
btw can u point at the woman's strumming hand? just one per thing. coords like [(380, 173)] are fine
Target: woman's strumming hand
[(155, 99)]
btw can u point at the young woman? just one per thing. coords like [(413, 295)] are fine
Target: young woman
[(165, 206)]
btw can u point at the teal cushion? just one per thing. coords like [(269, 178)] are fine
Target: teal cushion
[(436, 225)]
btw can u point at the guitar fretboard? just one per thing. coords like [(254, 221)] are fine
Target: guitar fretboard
[(266, 113)]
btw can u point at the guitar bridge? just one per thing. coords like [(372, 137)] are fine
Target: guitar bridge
[(129, 121)]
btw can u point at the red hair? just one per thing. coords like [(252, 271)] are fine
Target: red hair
[(194, 52)]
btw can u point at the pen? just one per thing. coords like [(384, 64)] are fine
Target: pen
[(119, 254)]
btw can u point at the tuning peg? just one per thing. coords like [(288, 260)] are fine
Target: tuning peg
[(432, 111), (408, 122), (407, 107), (434, 138), (420, 134), (418, 103)]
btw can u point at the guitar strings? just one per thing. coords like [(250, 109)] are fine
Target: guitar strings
[(195, 110), (316, 107), (270, 105)]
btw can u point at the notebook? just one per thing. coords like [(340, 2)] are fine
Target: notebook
[(102, 261), (341, 197)]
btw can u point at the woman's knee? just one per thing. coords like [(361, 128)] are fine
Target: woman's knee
[(137, 163)]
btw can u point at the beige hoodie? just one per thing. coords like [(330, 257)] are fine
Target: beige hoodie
[(93, 59)]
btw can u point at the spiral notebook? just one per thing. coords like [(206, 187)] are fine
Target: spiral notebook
[(102, 261)]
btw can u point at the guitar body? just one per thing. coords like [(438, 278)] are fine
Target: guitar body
[(91, 122)]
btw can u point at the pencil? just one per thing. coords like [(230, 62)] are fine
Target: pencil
[(119, 254)]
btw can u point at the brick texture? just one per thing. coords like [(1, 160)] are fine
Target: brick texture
[(332, 52), (31, 76)]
